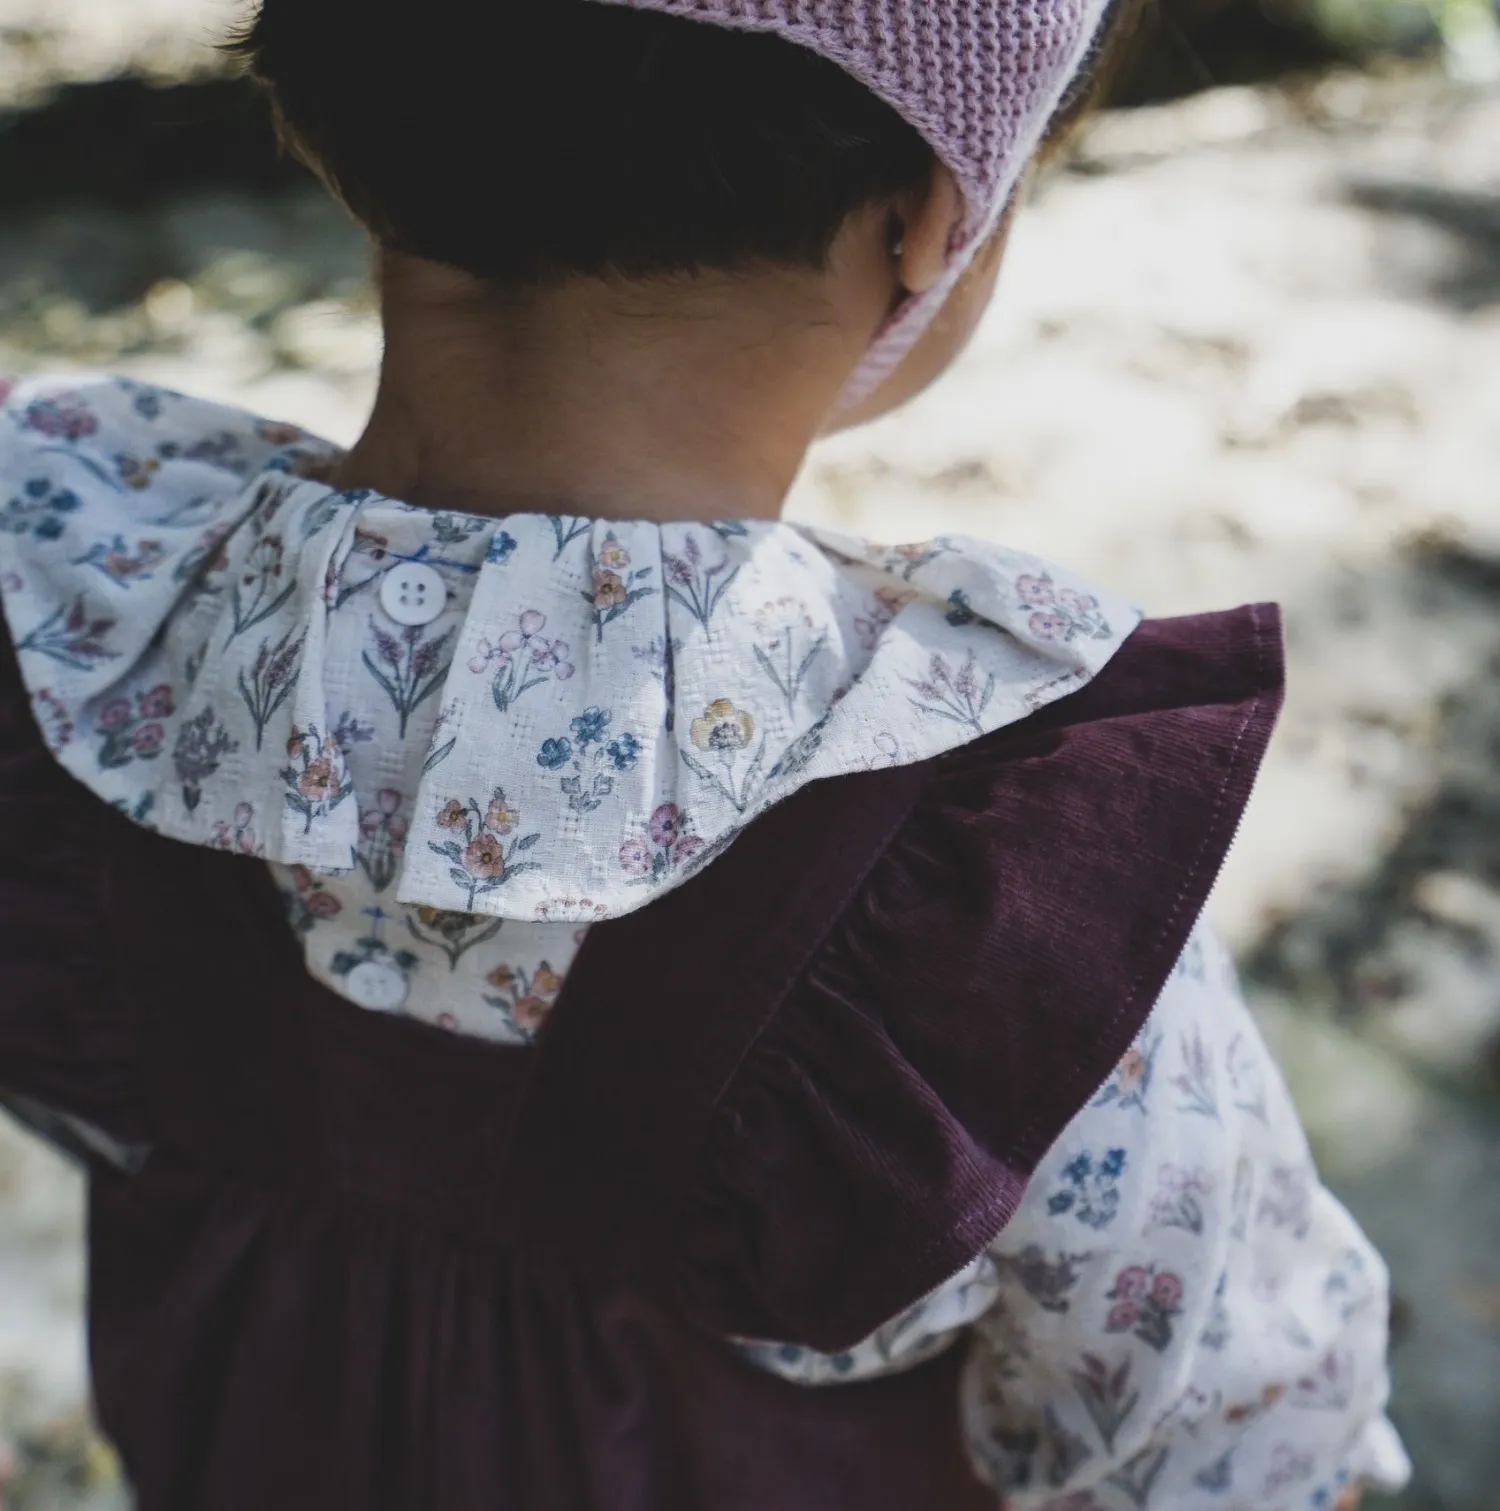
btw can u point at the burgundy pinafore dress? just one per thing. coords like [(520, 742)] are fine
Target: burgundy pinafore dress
[(342, 1261)]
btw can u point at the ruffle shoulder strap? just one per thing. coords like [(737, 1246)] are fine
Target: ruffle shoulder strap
[(805, 1090)]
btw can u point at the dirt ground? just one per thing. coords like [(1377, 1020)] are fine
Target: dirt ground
[(1247, 347)]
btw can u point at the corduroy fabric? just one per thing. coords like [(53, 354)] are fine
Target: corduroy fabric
[(372, 1265), (979, 79)]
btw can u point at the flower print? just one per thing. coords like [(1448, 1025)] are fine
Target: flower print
[(555, 753), (909, 559), (571, 909), (39, 509), (1196, 1080), (501, 548), (442, 748), (661, 657), (1089, 1190), (7, 387), (1218, 1329), (723, 732), (64, 417), (137, 473), (953, 695), (1288, 1468), (1059, 613), (307, 902), (409, 668), (667, 844), (157, 704), (148, 739), (1131, 1082), (593, 760), (129, 728), (1179, 1199), (454, 933), (238, 835), (1046, 1281), (1287, 1201), (886, 604), (1138, 1475), (115, 715), (271, 678), (316, 777), (1145, 1303), (525, 999), (120, 563), (1247, 1079), (484, 857), (522, 659), (202, 743), (615, 585), (624, 752), (636, 857), (566, 529), (789, 644), (263, 584), (53, 719), (500, 816), (590, 725), (723, 727), (693, 584), (1106, 1394), (482, 861), (382, 838)]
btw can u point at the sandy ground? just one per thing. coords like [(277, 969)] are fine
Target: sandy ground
[(1249, 348)]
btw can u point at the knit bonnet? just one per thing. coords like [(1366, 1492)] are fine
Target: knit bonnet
[(979, 79)]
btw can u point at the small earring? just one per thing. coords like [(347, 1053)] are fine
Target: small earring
[(897, 234)]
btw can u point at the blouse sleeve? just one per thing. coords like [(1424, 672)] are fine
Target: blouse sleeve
[(1183, 1316), (65, 1063)]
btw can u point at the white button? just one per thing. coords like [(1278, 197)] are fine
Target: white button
[(380, 987), (413, 594)]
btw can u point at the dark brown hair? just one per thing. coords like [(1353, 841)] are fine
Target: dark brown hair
[(525, 139)]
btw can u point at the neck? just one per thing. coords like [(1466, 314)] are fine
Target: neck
[(691, 398)]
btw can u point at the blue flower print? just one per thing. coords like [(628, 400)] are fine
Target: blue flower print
[(38, 510), (1090, 1189), (555, 753), (624, 752), (502, 548), (591, 725)]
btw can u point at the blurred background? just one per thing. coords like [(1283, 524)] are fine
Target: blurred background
[(1248, 346)]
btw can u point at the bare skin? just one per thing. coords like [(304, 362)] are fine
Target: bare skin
[(681, 398)]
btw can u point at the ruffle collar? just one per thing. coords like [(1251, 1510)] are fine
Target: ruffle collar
[(603, 705)]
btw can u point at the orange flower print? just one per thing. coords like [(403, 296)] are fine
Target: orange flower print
[(482, 860), (546, 982), (317, 779), (502, 978), (485, 857), (525, 999), (613, 557)]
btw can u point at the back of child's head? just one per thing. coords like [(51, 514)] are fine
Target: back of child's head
[(525, 140)]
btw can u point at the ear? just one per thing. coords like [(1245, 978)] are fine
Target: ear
[(927, 215)]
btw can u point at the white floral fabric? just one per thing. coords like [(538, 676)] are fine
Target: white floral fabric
[(1179, 1315), (591, 714)]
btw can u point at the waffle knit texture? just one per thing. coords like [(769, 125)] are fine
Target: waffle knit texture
[(978, 78)]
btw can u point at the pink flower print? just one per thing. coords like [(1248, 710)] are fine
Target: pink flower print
[(1123, 1316), (1048, 626), (157, 704), (60, 418), (1033, 590), (52, 719), (453, 816), (530, 1013), (1077, 603), (324, 905), (7, 387), (667, 824), (686, 848), (115, 714), (1166, 1290), (398, 829), (532, 623), (613, 557), (609, 590), (1132, 1283), (148, 739), (485, 857), (319, 781), (500, 817), (388, 800), (635, 857), (244, 815), (275, 433), (447, 1021)]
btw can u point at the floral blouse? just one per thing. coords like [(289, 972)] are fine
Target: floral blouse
[(459, 741)]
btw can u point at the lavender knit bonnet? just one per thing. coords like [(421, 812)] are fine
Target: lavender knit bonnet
[(978, 78)]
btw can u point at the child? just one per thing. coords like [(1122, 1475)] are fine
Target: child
[(576, 995)]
